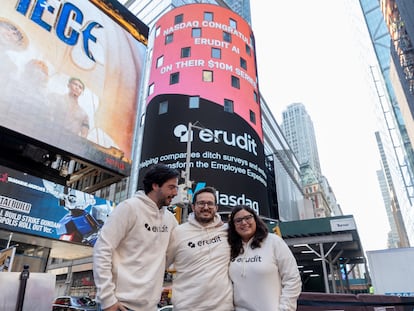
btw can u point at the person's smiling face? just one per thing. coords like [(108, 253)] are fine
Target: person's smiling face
[(245, 224), (205, 208)]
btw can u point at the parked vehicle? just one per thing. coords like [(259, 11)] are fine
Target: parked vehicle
[(74, 303), (391, 271)]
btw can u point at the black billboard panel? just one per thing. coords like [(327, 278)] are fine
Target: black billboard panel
[(226, 154)]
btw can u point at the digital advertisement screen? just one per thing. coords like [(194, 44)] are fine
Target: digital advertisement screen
[(226, 155), (71, 78), (204, 72), (42, 208)]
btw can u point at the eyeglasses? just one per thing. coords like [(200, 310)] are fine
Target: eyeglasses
[(209, 204), (247, 218)]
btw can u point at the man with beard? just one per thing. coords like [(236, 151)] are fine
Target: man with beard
[(200, 254), (129, 255)]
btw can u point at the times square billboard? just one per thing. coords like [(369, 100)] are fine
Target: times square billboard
[(39, 207), (203, 73), (71, 74)]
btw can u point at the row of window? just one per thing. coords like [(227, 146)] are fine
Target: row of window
[(196, 32), (186, 53), (207, 76), (207, 16), (194, 103)]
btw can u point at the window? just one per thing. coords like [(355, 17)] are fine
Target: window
[(160, 61), (157, 31), (215, 53), (163, 107), (248, 50), (235, 82), (208, 16), (207, 76), (243, 63), (185, 52), (233, 23), (178, 19), (255, 97), (142, 121), (196, 32), (174, 78), (194, 102), (228, 105), (169, 38), (252, 117), (151, 89), (226, 36)]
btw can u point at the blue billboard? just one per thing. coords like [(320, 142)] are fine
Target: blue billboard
[(42, 208)]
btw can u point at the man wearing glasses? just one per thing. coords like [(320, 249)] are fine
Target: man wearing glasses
[(201, 254)]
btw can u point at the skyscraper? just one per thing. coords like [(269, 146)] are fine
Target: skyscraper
[(298, 129), (300, 134)]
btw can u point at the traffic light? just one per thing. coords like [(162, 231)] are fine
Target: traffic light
[(177, 211), (276, 230)]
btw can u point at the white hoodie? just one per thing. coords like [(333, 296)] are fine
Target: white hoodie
[(266, 278), (202, 256), (129, 256)]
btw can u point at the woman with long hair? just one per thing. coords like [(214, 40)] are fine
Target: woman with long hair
[(263, 270)]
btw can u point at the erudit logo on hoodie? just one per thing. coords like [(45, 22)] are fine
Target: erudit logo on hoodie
[(201, 243), (163, 228), (255, 258)]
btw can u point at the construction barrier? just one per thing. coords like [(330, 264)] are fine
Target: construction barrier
[(351, 302)]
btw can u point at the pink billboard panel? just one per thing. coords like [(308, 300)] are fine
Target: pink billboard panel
[(210, 51), (70, 78)]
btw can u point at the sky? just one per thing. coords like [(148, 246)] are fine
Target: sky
[(310, 52)]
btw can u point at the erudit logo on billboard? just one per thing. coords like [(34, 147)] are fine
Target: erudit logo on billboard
[(244, 141)]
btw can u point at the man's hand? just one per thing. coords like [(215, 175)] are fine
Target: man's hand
[(116, 307)]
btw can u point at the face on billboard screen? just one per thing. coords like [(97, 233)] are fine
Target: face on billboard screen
[(70, 78), (40, 207)]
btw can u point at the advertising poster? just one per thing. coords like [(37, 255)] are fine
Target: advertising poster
[(203, 72), (38, 207), (71, 78)]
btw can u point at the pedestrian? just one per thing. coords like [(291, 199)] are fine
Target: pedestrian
[(200, 254), (263, 270), (130, 253)]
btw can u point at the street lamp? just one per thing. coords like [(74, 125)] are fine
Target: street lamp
[(187, 180)]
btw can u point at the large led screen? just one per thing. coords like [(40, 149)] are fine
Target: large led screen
[(42, 208), (204, 72), (71, 77)]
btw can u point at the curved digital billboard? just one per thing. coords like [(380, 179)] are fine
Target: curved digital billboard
[(203, 75)]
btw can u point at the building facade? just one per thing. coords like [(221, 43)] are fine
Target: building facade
[(299, 132), (394, 134)]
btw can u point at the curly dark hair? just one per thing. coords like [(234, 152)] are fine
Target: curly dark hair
[(158, 174), (234, 238)]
